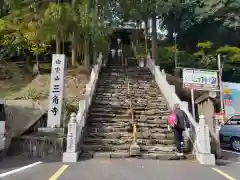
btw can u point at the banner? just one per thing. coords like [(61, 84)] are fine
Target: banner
[(231, 98), (200, 79)]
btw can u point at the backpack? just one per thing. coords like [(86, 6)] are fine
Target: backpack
[(172, 120)]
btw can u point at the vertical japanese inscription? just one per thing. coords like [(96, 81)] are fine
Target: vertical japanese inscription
[(56, 90)]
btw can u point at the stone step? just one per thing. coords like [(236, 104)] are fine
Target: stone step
[(136, 101), (152, 130), (108, 120), (152, 122), (111, 125), (109, 115), (113, 91), (144, 118), (113, 79), (102, 148), (101, 155), (163, 156), (160, 111), (112, 99), (155, 148), (149, 107), (108, 135), (108, 110), (105, 94), (147, 135), (125, 155), (108, 104), (110, 75), (140, 123), (150, 117), (112, 142), (109, 129), (152, 142), (150, 125)]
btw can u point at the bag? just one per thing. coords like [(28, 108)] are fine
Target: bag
[(172, 120)]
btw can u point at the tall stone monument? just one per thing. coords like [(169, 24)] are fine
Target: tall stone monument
[(57, 91)]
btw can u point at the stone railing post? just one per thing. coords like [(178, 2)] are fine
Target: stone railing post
[(203, 153), (71, 154), (217, 146)]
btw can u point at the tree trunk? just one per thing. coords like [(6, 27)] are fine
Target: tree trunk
[(74, 50), (146, 35), (86, 53), (58, 45), (87, 40), (37, 64), (37, 59), (154, 37)]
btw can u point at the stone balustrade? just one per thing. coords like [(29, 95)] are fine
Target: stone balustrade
[(77, 121), (171, 97), (203, 153)]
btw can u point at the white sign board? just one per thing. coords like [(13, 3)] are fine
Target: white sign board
[(231, 98), (57, 89), (200, 79)]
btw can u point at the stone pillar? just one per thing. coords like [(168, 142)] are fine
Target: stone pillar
[(217, 126), (71, 154), (203, 152), (57, 91)]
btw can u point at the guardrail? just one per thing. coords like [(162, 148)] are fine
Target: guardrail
[(199, 137), (77, 122)]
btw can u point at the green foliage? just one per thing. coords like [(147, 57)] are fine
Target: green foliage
[(205, 45), (231, 53), (183, 59), (69, 109), (56, 21), (5, 72)]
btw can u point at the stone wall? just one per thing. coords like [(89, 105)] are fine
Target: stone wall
[(37, 146)]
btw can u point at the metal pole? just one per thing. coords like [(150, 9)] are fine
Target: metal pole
[(193, 104), (175, 54), (220, 81)]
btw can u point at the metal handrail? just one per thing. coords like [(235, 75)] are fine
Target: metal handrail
[(130, 102)]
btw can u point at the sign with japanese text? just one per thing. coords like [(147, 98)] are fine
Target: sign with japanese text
[(57, 88), (231, 96), (200, 80)]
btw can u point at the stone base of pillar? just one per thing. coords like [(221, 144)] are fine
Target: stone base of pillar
[(134, 149), (70, 156), (59, 131), (206, 159)]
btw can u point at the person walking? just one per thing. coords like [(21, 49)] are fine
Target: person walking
[(178, 122)]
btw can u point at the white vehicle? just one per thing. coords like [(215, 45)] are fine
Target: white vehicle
[(2, 126)]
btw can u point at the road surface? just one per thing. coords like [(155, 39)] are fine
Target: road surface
[(118, 169)]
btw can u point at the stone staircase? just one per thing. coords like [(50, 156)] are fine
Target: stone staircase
[(109, 128)]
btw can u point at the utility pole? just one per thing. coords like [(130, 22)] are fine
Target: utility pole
[(220, 81), (175, 45)]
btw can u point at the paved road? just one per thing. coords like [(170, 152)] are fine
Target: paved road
[(121, 169), (230, 163)]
